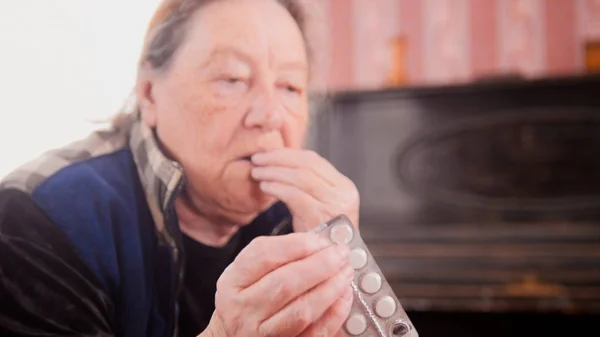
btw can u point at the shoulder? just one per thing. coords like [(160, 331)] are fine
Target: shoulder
[(40, 265), (30, 175), (76, 178), (22, 220), (83, 193), (89, 185), (25, 229)]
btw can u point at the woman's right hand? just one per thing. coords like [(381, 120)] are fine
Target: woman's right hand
[(291, 285)]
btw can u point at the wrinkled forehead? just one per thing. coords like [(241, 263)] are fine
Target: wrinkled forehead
[(263, 30)]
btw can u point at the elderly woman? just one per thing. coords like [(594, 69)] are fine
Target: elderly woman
[(161, 225)]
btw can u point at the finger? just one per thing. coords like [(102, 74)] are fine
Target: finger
[(332, 322), (307, 309), (301, 204), (297, 200), (302, 178), (280, 287), (298, 158), (267, 253)]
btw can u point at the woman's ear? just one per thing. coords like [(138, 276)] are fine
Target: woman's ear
[(145, 97)]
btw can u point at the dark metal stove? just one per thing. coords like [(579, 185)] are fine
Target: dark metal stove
[(480, 202)]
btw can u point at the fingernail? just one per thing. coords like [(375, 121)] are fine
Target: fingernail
[(256, 158)]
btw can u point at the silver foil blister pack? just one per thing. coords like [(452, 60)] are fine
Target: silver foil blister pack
[(376, 311)]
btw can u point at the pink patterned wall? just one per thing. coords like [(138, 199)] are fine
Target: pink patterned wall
[(450, 41), (521, 36), (374, 27), (447, 40)]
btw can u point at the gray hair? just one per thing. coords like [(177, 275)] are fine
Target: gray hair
[(168, 27), (167, 30)]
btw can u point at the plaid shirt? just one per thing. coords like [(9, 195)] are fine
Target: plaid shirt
[(159, 175), (123, 263)]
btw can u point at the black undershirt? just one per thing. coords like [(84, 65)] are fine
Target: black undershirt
[(40, 266), (204, 265)]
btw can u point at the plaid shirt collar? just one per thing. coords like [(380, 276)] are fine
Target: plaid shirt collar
[(161, 177)]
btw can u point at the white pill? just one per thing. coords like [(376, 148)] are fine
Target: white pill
[(341, 234), (370, 283), (358, 258), (385, 307), (356, 324)]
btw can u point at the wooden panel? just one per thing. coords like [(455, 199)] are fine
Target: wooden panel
[(592, 56), (398, 75)]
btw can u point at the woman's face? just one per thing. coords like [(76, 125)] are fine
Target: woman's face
[(236, 86)]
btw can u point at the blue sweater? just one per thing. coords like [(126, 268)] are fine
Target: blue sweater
[(90, 242)]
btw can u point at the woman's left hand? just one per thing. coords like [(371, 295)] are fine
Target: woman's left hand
[(311, 187)]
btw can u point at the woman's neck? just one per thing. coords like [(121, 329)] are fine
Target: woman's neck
[(210, 232)]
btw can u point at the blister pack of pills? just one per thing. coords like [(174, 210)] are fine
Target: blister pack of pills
[(376, 310)]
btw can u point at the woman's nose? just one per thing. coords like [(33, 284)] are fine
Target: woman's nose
[(265, 112)]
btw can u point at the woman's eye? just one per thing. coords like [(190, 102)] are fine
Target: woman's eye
[(230, 80), (232, 84), (291, 89)]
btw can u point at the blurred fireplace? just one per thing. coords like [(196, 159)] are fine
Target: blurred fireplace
[(480, 202)]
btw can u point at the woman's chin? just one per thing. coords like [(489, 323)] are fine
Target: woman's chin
[(250, 204), (242, 194)]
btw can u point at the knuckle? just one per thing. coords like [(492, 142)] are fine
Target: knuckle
[(222, 282), (305, 246), (269, 261), (340, 311), (259, 244), (263, 331), (223, 299), (219, 296), (323, 332), (234, 325), (283, 289), (312, 154), (303, 316), (351, 190), (222, 296), (230, 317), (355, 194), (255, 249), (303, 178), (331, 260)]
